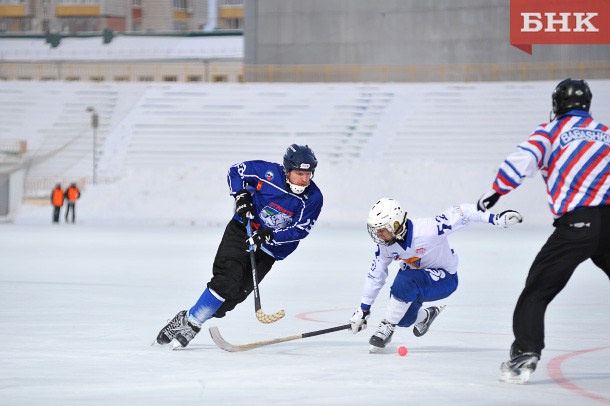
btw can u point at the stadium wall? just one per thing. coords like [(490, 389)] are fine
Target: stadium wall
[(386, 34)]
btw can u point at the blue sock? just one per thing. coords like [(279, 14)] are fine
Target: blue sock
[(205, 307)]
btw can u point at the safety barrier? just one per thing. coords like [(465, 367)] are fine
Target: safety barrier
[(426, 73)]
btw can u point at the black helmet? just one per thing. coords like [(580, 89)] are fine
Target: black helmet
[(301, 158), (571, 94)]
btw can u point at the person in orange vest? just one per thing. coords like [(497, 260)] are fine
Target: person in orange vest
[(72, 194), (57, 200)]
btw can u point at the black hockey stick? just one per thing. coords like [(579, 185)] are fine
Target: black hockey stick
[(215, 333), (260, 315)]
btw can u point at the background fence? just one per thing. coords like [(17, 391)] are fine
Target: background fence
[(426, 73)]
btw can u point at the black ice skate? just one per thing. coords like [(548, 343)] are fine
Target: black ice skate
[(519, 368), (383, 335), (422, 327), (178, 326), (184, 337)]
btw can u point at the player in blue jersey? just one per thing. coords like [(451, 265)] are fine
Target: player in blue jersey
[(572, 152), (428, 265), (282, 203)]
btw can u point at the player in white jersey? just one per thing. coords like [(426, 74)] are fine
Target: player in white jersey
[(572, 152), (428, 265)]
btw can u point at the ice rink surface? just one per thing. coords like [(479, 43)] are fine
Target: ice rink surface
[(81, 304)]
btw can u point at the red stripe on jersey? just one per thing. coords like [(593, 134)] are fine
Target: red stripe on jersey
[(595, 190), (508, 182), (581, 179), (567, 170), (537, 145), (556, 133)]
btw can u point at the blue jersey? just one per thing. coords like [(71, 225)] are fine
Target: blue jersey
[(289, 215)]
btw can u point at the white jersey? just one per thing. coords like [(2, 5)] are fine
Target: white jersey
[(425, 247)]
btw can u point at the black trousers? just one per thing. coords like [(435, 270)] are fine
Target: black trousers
[(69, 208), (56, 210), (578, 236), (232, 269)]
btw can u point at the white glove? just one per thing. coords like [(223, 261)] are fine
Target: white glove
[(358, 320), (507, 218)]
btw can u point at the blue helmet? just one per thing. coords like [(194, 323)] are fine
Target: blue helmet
[(571, 94), (300, 158)]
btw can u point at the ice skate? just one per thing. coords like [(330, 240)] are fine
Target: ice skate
[(422, 327), (177, 326), (383, 335), (519, 368), (184, 337)]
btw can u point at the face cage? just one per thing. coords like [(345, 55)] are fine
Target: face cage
[(377, 239)]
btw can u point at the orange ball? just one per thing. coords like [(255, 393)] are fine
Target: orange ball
[(402, 351)]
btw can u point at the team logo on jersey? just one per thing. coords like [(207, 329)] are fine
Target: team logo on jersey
[(413, 262), (269, 175), (420, 251), (275, 216)]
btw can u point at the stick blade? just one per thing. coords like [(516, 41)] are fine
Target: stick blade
[(220, 342), (269, 318)]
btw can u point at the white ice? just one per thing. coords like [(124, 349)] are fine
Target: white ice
[(81, 304)]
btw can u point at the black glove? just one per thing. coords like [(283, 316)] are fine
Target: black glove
[(260, 237), (488, 200), (243, 205)]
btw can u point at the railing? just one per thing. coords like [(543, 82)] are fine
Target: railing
[(426, 73), (12, 149), (219, 71), (123, 71)]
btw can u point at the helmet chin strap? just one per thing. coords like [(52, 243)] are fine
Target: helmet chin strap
[(296, 188)]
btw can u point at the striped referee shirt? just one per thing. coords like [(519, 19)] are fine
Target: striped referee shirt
[(573, 155)]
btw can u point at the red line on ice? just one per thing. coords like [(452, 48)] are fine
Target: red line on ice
[(555, 372), (306, 315)]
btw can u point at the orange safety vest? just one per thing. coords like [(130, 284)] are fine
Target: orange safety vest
[(58, 197), (72, 193)]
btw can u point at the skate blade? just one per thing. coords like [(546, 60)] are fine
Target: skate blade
[(376, 350), (519, 376), (175, 345)]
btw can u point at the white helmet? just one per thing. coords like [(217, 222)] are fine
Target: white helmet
[(387, 215)]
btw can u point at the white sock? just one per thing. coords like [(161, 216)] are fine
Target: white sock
[(396, 310)]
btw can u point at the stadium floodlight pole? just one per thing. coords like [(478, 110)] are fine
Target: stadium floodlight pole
[(95, 122)]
